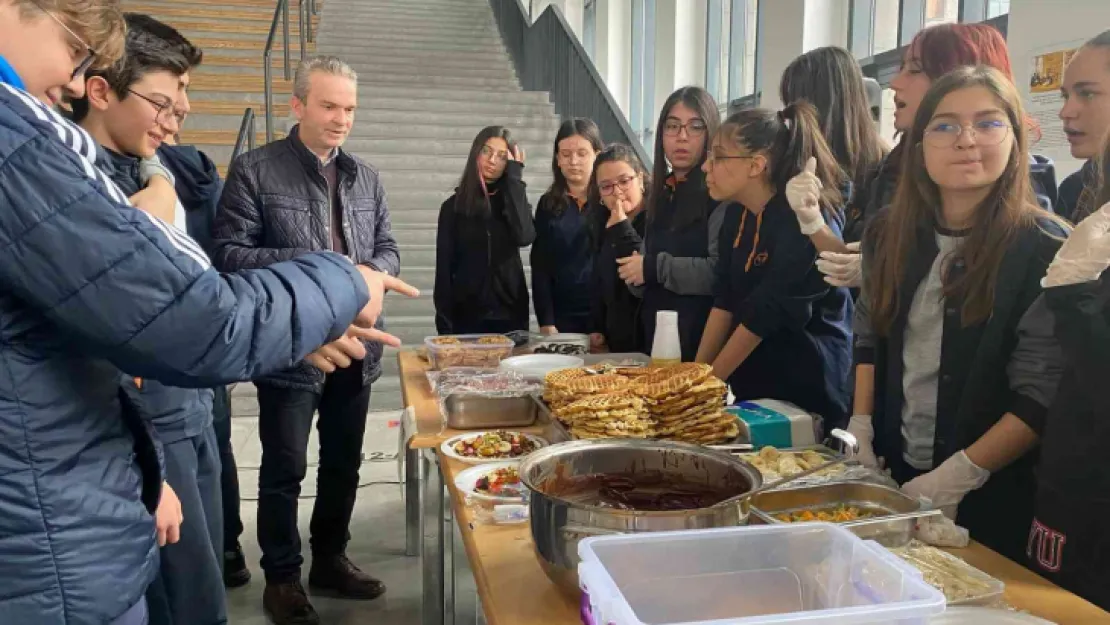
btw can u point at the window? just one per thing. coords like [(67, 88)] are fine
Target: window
[(884, 26), (997, 7), (642, 102), (730, 49), (589, 27), (941, 12)]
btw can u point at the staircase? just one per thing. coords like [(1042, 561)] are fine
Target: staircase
[(432, 73)]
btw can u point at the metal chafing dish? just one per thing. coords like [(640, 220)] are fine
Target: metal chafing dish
[(474, 411), (896, 513), (558, 524)]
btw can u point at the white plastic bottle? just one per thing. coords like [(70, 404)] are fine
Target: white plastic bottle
[(666, 348)]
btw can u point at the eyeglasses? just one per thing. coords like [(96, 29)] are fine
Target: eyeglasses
[(986, 132), (712, 158), (609, 188), (90, 53), (496, 156), (161, 109), (694, 128)]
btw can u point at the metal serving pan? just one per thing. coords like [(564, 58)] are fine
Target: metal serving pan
[(898, 513), (474, 411)]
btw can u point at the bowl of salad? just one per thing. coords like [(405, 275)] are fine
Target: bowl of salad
[(494, 493)]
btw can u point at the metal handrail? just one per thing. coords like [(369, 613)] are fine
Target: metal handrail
[(245, 139), (281, 14)]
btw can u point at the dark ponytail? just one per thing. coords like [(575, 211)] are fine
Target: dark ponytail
[(788, 139)]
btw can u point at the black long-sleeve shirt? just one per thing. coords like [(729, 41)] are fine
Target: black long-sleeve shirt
[(562, 264), (614, 308), (479, 275)]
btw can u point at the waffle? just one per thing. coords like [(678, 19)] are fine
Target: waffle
[(560, 377), (672, 381), (605, 402), (596, 384)]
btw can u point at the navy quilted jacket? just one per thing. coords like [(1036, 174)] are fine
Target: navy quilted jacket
[(90, 286)]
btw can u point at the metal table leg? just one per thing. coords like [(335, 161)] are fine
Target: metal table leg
[(432, 556), (414, 478), (448, 559)]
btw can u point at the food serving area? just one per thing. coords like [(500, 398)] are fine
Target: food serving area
[(512, 586)]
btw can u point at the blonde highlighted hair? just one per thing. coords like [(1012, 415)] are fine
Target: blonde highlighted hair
[(98, 22)]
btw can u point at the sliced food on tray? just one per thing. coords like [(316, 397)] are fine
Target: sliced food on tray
[(829, 514), (499, 444), (960, 582), (775, 464)]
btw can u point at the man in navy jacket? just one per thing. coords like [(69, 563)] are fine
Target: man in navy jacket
[(90, 286)]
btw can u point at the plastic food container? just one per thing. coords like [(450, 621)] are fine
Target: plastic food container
[(961, 583), (812, 573), (468, 350), (491, 508)]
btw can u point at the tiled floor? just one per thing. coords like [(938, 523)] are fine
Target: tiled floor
[(377, 530)]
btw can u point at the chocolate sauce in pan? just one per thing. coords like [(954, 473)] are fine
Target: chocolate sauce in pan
[(645, 490)]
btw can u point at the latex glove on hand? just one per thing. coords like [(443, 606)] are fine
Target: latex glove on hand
[(844, 270), (942, 532), (1086, 253), (947, 485), (860, 427), (803, 193)]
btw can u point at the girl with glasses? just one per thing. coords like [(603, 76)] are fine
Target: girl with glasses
[(562, 256), (934, 52), (617, 192), (479, 280), (955, 359), (676, 267), (777, 330)]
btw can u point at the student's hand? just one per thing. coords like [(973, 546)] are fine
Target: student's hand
[(803, 193), (168, 517), (947, 485), (339, 354), (1086, 253), (516, 153), (632, 269), (378, 284), (158, 198), (618, 212), (549, 330), (860, 427), (842, 269), (597, 340)]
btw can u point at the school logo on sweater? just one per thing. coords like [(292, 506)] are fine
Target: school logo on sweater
[(1046, 547)]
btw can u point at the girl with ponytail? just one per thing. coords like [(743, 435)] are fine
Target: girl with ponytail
[(776, 330)]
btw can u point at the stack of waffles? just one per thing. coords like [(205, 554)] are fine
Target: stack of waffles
[(683, 402), (688, 404)]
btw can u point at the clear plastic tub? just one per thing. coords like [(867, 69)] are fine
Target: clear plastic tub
[(468, 350), (813, 573)]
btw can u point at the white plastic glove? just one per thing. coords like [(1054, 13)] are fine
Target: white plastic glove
[(843, 269), (803, 192), (1086, 253), (942, 532), (947, 485), (860, 427)]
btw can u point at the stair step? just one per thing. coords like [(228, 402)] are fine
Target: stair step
[(345, 44), (414, 235), (204, 81), (430, 130), (231, 107), (405, 154), (229, 46), (371, 49), (239, 4), (219, 137), (254, 61), (226, 14), (417, 96), (232, 27)]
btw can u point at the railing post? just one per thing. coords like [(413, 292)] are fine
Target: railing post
[(304, 19), (268, 90), (285, 36), (252, 132)]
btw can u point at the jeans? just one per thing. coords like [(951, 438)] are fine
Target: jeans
[(229, 473), (189, 589), (284, 424)]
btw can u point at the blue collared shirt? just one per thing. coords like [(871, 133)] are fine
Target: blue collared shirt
[(8, 75)]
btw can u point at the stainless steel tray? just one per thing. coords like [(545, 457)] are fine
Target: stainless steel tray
[(893, 528), (473, 411)]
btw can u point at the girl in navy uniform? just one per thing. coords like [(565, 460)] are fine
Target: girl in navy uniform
[(618, 195), (563, 254), (777, 330), (1086, 116), (479, 282), (956, 359), (676, 268)]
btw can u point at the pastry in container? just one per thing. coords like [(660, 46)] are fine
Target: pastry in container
[(468, 350), (494, 493)]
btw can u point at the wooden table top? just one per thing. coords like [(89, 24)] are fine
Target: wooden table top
[(515, 591)]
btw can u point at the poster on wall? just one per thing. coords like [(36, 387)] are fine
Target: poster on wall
[(1043, 99)]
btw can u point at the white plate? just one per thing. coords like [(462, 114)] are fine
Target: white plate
[(448, 447), (985, 616), (539, 365)]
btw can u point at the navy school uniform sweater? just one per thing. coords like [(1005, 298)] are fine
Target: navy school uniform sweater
[(680, 257), (615, 309), (562, 260), (768, 281)]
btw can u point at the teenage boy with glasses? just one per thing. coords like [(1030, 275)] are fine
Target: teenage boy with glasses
[(90, 286)]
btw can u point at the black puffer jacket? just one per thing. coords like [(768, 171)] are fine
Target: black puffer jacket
[(275, 206)]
